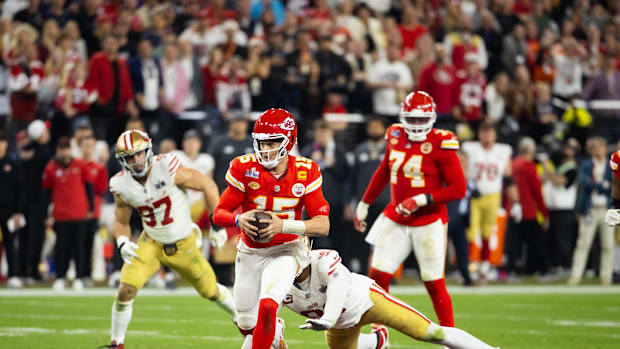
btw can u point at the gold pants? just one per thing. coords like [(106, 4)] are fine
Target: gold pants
[(483, 216), (387, 310), (187, 261)]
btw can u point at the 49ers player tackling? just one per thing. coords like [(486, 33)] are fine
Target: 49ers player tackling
[(268, 260), (156, 186), (424, 172)]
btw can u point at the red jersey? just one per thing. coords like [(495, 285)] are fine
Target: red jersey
[(471, 94), (412, 168), (614, 164), (68, 189), (251, 186)]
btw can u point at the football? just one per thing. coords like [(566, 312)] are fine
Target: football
[(260, 215)]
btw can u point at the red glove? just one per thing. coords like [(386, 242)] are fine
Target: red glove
[(410, 205)]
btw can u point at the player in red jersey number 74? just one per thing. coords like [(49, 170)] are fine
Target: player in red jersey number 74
[(268, 260), (424, 173)]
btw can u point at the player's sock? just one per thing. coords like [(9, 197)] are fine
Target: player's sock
[(453, 338), (225, 301), (441, 301), (367, 341), (486, 250), (265, 324), (121, 316), (381, 278)]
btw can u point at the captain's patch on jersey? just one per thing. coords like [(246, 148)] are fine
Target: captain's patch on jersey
[(253, 185), (426, 148)]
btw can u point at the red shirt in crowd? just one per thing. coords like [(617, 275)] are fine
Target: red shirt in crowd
[(99, 175), (411, 36), (22, 77), (440, 81), (101, 76), (82, 95), (470, 97), (68, 186), (529, 187)]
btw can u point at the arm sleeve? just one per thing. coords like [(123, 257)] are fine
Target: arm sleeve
[(229, 201), (338, 279), (378, 180), (314, 201), (452, 174)]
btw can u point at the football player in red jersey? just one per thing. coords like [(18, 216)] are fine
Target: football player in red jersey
[(424, 173), (268, 260)]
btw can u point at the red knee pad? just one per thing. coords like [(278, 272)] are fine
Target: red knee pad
[(381, 278)]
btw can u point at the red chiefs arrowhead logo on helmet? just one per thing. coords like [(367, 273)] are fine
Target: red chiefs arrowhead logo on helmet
[(288, 124)]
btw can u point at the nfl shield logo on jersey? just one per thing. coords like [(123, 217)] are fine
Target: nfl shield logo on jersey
[(298, 189)]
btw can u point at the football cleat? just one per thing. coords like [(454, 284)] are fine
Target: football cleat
[(382, 337), (113, 345)]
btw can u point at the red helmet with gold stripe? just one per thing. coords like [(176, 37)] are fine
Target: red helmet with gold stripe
[(130, 143)]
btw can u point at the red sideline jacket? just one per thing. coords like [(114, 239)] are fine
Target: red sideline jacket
[(101, 77), (68, 189)]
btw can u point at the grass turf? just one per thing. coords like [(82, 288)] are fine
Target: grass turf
[(515, 319)]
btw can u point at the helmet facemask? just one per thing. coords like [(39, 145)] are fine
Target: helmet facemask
[(147, 162), (265, 157), (417, 123)]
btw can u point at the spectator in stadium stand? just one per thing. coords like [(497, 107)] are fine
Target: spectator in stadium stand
[(506, 17), (490, 32), (568, 58), (545, 116), (390, 80), (35, 156), (521, 100), (335, 169), (11, 218), (176, 88), (167, 145), (68, 182), (463, 41), (514, 48), (439, 79), (471, 92), (335, 73), (224, 148), (527, 228), (594, 199), (231, 40), (57, 11), (147, 83), (360, 96), (87, 20), (48, 39), (99, 176), (560, 193), (495, 97), (31, 14), (183, 19), (109, 74), (231, 89), (605, 86), (411, 29), (200, 36), (368, 156), (193, 71), (258, 7), (373, 28), (24, 82), (257, 67)]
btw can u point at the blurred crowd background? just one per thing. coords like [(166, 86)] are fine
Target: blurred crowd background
[(193, 74)]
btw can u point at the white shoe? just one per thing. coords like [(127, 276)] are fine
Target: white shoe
[(14, 282), (78, 285), (59, 285)]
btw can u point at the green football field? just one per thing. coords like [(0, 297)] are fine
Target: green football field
[(554, 317)]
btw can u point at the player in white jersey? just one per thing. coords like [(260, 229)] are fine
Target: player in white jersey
[(340, 302), (489, 170), (156, 187)]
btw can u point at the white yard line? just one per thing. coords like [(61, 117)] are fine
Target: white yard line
[(397, 290)]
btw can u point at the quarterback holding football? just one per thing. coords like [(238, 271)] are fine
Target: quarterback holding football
[(424, 173), (156, 187), (272, 251)]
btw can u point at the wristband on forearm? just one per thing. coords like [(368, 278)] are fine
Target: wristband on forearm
[(296, 227), (429, 199), (237, 220)]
